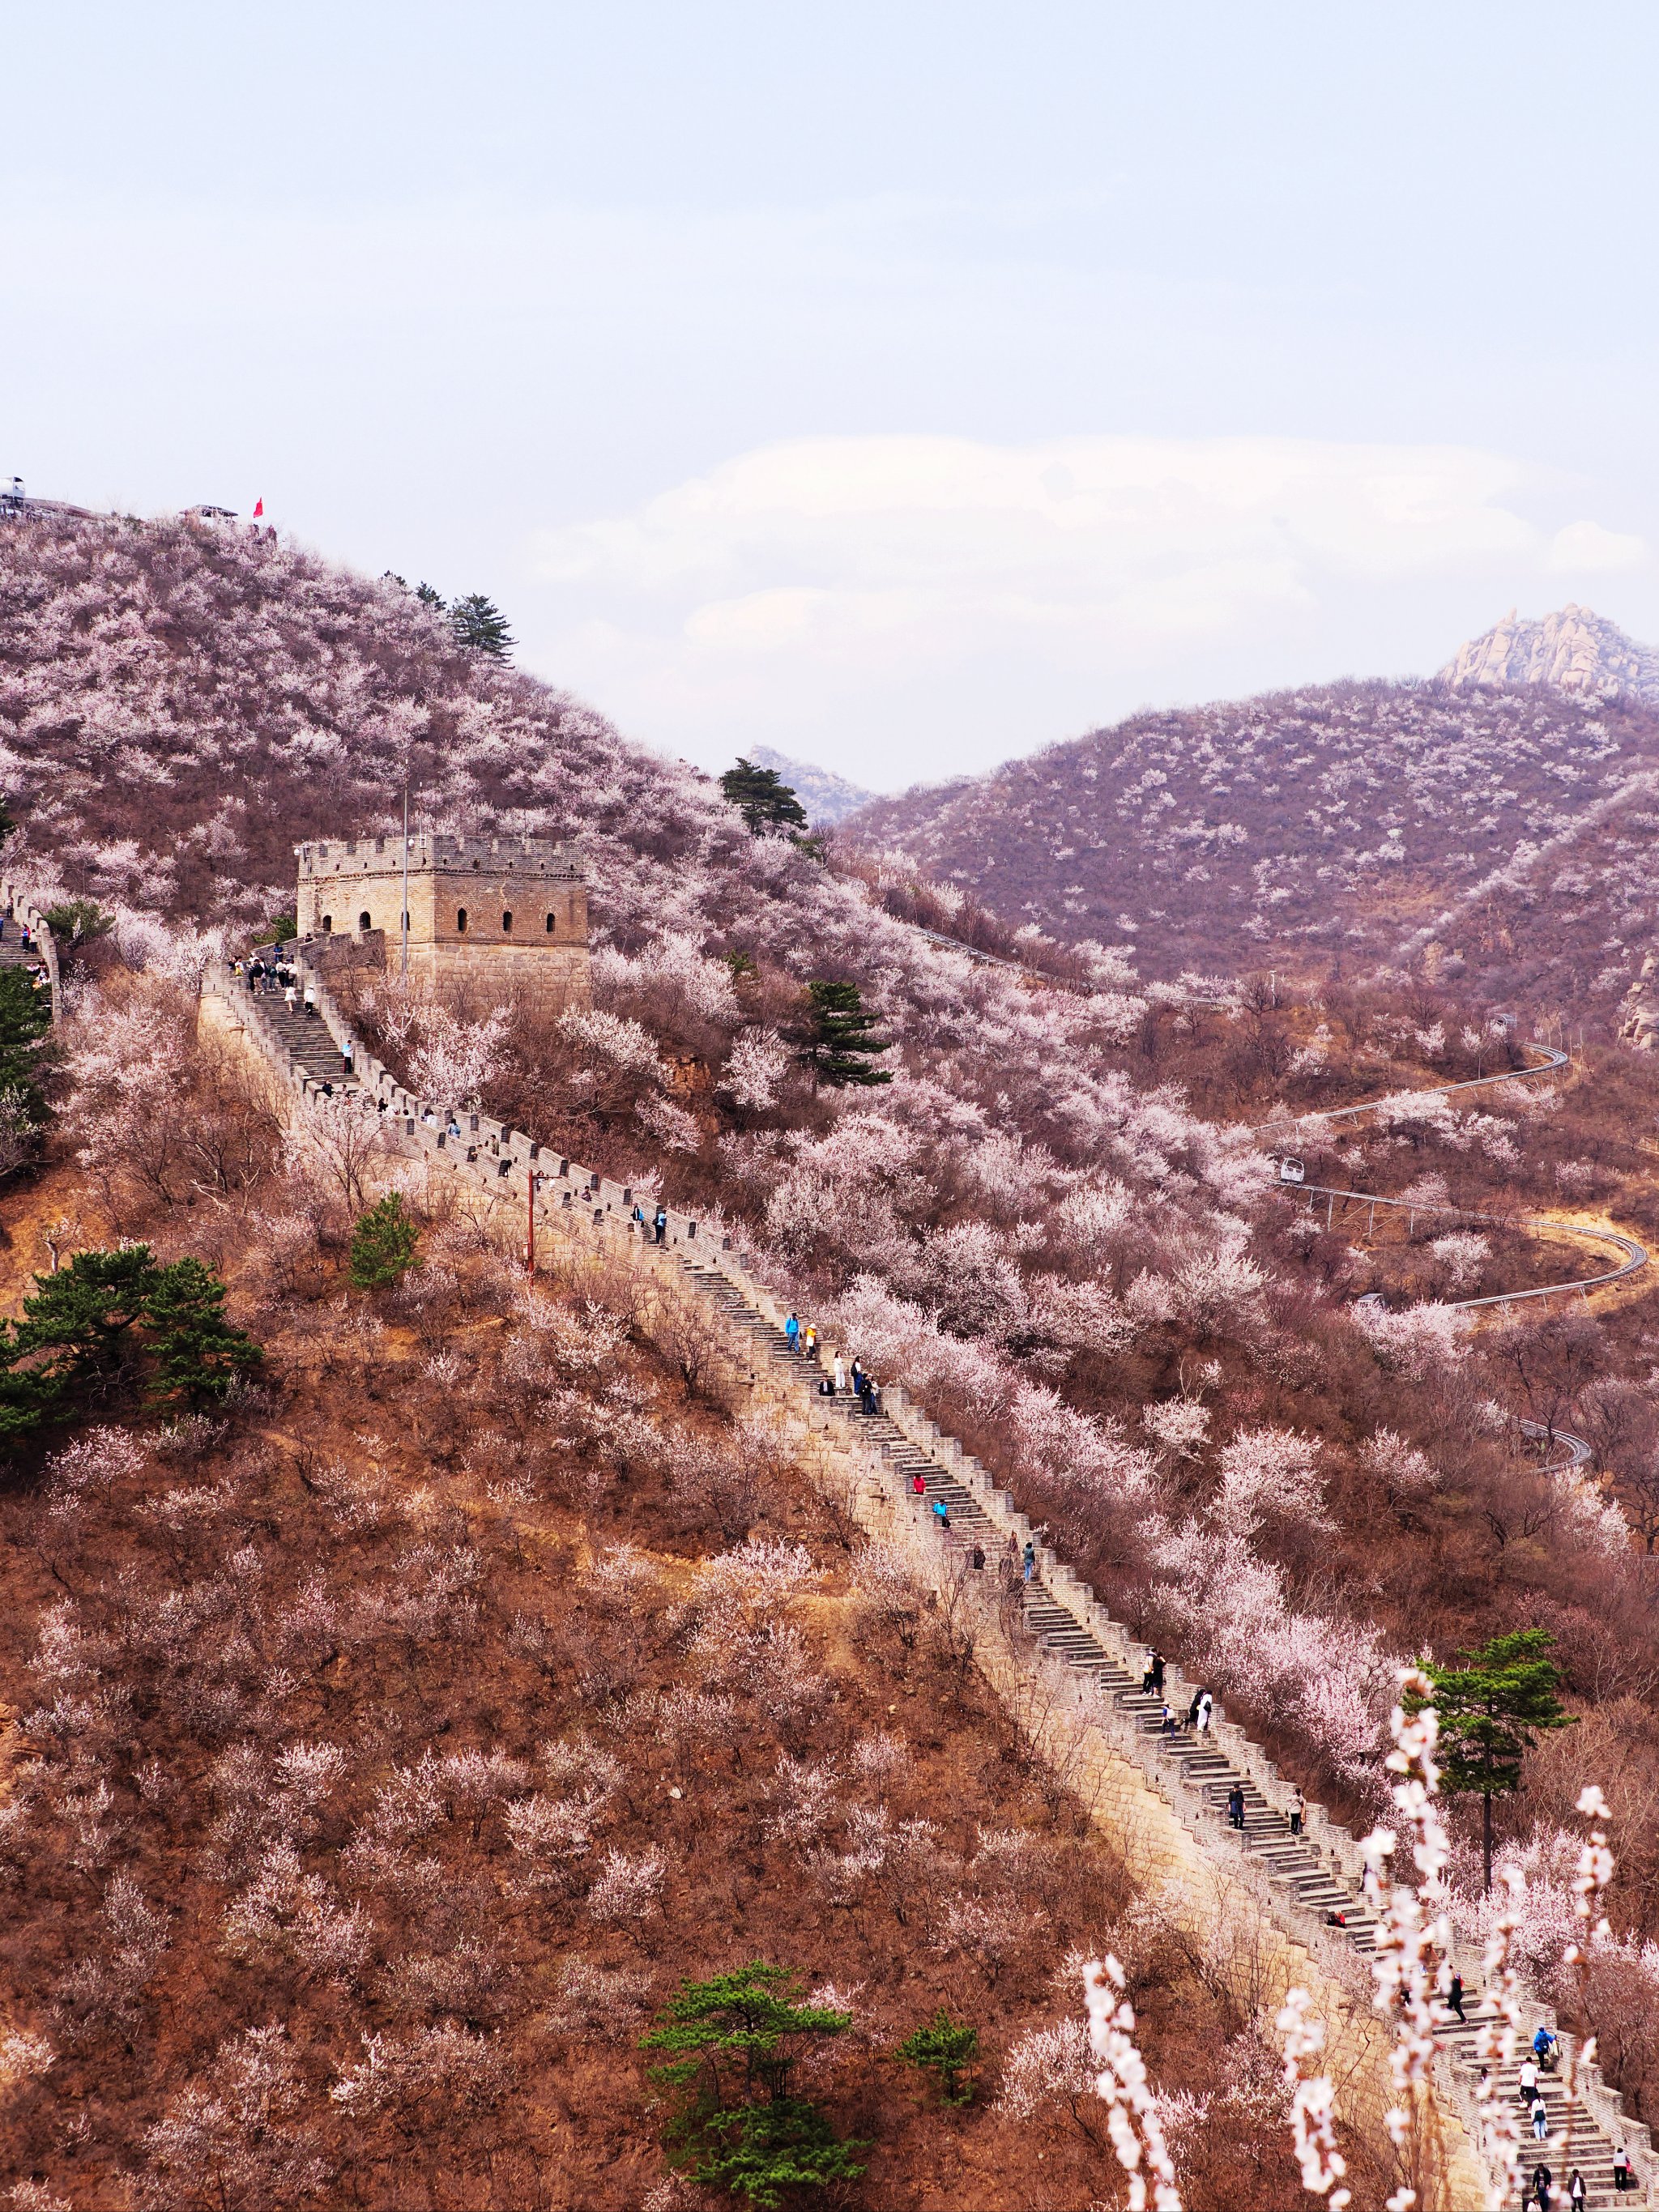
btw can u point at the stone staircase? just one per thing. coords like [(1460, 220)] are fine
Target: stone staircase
[(1316, 1875), (305, 1040), (1198, 1759), (18, 908), (1293, 1863)]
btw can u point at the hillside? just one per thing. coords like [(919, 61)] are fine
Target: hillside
[(181, 702), (1571, 650), (1318, 832), (1052, 1224), (383, 1752)]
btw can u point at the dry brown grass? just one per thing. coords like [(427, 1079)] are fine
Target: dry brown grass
[(466, 1538)]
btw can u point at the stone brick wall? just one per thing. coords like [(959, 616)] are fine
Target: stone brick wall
[(1268, 1943), (1177, 1857), (502, 916)]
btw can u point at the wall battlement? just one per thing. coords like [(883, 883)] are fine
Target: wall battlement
[(442, 851)]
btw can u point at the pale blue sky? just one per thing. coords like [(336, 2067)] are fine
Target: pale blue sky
[(905, 386)]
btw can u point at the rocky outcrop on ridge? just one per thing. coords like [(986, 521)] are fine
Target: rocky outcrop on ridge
[(1574, 649)]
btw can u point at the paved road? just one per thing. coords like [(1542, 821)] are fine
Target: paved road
[(1635, 1256), (1551, 1058), (1579, 1452)]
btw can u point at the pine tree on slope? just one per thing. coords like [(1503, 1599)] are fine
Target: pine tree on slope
[(762, 797)]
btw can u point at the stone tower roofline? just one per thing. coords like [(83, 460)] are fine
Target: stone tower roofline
[(443, 852)]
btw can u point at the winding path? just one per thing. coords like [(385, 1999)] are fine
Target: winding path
[(1553, 1059), (1635, 1255)]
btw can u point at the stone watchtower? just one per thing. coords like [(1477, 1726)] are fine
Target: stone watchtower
[(498, 915)]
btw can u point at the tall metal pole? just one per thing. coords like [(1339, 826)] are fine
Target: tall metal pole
[(405, 967), (534, 1180)]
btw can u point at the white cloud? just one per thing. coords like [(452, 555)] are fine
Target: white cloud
[(916, 604), (1585, 549)]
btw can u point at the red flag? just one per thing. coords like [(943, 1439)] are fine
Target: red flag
[(259, 508)]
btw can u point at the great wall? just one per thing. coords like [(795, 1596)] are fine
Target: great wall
[(1283, 1910)]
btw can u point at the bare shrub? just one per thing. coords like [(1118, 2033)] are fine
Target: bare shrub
[(629, 1887), (232, 2140)]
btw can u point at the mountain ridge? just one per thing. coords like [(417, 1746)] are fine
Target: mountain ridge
[(827, 797), (1317, 832)]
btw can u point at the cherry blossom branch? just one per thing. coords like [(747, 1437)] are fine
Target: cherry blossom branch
[(1496, 2041), (1312, 2128), (1595, 1870), (1132, 2119), (1413, 1935)]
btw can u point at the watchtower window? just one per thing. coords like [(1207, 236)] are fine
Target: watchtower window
[(328, 923), (506, 925), (460, 921), (365, 922), (550, 920)]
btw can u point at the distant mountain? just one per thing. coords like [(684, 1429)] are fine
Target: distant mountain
[(1573, 649), (1339, 829), (827, 798)]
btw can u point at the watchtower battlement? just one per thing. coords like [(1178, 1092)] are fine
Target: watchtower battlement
[(494, 915), (442, 850)]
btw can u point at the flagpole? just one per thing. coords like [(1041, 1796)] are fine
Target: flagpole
[(405, 970)]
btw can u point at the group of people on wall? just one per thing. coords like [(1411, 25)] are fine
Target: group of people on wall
[(839, 1377), (25, 937)]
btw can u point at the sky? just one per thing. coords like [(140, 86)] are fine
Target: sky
[(904, 387)]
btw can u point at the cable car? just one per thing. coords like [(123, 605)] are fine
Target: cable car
[(1292, 1169)]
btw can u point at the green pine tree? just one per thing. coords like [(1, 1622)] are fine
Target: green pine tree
[(78, 1326), (762, 797), (78, 921), (429, 597), (87, 1332), (838, 1044), (382, 1244), (1490, 1711), (759, 2151), (199, 1354), (32, 1395), (283, 928), (947, 2048), (480, 625), (730, 2045)]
